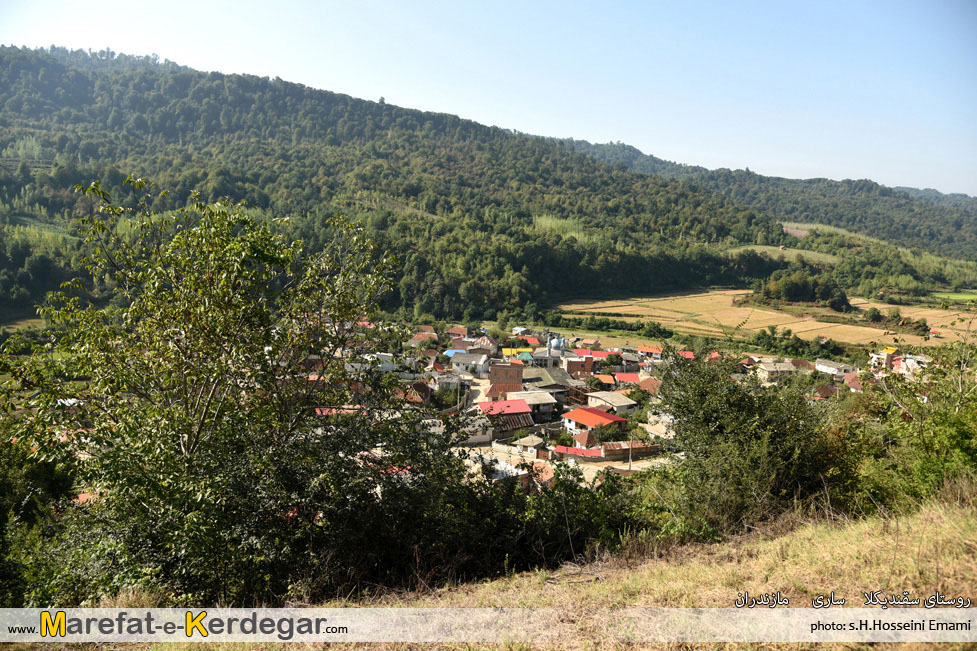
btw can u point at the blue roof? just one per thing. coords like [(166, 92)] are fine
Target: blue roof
[(454, 351)]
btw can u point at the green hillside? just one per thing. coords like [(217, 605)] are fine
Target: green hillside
[(483, 221), (944, 224), (459, 203)]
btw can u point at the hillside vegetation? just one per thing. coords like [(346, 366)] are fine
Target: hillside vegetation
[(464, 207), (262, 481), (483, 221), (925, 219), (922, 552)]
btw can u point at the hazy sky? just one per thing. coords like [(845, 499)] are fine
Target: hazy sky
[(880, 90)]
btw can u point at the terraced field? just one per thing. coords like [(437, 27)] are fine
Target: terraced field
[(713, 313), (789, 254)]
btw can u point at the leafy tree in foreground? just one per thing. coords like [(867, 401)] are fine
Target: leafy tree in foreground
[(750, 452), (231, 453), (187, 409)]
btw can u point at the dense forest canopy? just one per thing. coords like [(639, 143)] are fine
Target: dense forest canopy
[(481, 219), (944, 224)]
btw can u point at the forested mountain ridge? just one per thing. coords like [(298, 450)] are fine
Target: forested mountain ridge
[(945, 224), (482, 219), (632, 158)]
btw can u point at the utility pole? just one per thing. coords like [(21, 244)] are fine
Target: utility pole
[(630, 446)]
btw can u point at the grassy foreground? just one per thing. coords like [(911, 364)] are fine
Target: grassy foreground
[(934, 548)]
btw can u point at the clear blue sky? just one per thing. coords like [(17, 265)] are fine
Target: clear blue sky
[(850, 89)]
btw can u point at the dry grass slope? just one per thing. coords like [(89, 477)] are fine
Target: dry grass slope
[(932, 549)]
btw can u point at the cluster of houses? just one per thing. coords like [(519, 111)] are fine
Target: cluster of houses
[(889, 360), (542, 383), (538, 387)]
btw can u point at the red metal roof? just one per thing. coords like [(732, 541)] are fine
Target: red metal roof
[(504, 407), (593, 417), (586, 352), (532, 341), (629, 378), (687, 354)]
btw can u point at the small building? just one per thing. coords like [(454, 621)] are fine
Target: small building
[(529, 443), (651, 385), (836, 370), (651, 352), (627, 378), (584, 419), (617, 403), (885, 357), (826, 391), (853, 382), (605, 379), (502, 390), (457, 331), (541, 403), (775, 371), (554, 381), (503, 373), (629, 449), (579, 367), (424, 339), (477, 365), (802, 365), (484, 342), (507, 416)]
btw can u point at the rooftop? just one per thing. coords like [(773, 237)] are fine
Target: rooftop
[(500, 407), (593, 417), (612, 398)]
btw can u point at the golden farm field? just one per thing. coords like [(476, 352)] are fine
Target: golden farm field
[(713, 312), (951, 324)]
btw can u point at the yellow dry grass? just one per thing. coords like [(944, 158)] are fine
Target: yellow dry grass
[(714, 313), (933, 549)]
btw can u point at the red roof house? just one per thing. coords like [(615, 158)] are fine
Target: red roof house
[(499, 407), (627, 378), (585, 418), (651, 385)]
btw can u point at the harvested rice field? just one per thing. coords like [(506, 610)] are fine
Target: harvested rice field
[(714, 313)]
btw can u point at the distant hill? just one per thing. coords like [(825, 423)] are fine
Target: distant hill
[(945, 224), (618, 153)]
